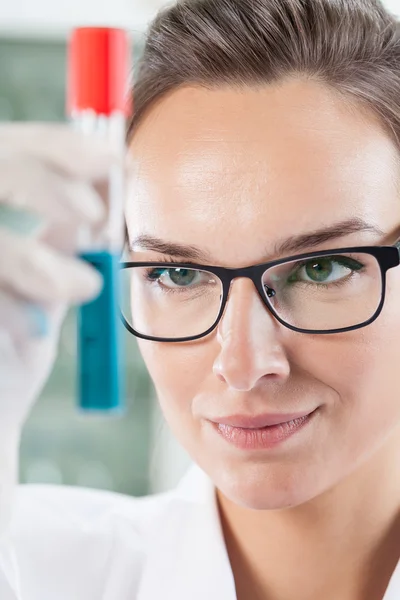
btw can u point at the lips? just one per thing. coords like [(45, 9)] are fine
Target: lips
[(259, 421), (262, 432)]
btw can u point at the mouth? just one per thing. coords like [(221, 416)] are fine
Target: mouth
[(262, 431)]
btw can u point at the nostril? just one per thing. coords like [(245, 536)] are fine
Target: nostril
[(219, 376)]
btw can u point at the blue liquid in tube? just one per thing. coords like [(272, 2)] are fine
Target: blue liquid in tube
[(100, 349)]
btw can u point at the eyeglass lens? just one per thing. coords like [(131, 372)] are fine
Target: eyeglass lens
[(318, 293)]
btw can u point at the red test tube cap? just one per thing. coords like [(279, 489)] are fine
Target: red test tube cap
[(98, 71)]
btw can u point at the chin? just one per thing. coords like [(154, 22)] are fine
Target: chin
[(264, 499), (262, 487)]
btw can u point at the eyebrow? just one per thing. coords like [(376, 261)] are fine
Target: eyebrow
[(289, 246), (149, 242), (333, 232)]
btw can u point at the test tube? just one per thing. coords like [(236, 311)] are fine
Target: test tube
[(97, 104)]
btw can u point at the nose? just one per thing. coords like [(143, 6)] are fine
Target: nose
[(248, 336)]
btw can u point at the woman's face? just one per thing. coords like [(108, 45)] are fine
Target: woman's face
[(236, 174)]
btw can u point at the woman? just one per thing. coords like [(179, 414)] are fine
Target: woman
[(263, 221)]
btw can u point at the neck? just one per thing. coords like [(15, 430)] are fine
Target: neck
[(343, 544)]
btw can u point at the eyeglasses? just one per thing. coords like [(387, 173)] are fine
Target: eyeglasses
[(318, 293)]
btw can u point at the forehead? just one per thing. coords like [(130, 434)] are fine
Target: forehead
[(212, 166)]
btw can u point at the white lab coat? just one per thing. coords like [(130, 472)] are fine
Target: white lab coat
[(74, 544)]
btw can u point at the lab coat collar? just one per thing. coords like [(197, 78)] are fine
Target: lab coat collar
[(393, 591), (187, 557)]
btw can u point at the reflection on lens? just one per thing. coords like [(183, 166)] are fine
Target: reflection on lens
[(170, 302), (326, 292)]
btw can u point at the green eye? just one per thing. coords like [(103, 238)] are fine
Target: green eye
[(324, 270), (182, 277), (174, 278), (319, 270)]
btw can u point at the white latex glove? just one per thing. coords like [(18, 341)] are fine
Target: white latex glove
[(55, 173)]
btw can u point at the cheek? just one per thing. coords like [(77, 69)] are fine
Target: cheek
[(378, 366), (363, 368), (179, 372)]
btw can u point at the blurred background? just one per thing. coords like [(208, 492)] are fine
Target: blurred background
[(135, 454)]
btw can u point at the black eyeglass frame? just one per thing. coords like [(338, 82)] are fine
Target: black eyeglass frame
[(387, 257)]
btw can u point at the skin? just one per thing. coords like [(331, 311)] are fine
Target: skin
[(234, 172)]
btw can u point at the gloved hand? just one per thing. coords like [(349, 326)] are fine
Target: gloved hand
[(56, 174)]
